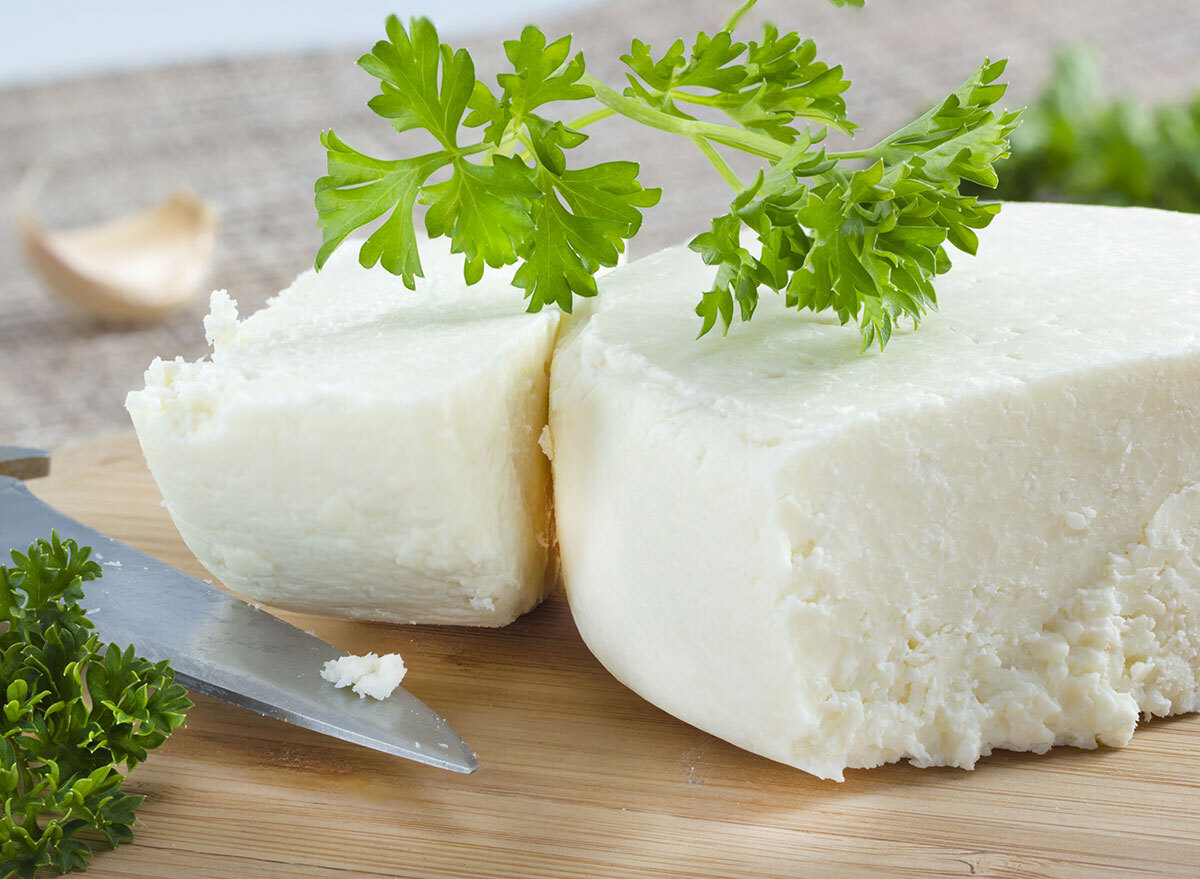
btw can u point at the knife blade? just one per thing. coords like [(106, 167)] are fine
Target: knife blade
[(220, 646)]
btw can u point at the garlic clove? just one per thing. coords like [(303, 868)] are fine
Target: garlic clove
[(137, 268)]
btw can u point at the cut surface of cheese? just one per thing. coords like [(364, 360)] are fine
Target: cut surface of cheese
[(357, 449), (986, 537)]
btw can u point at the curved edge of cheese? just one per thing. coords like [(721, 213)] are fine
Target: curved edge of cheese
[(987, 537), (357, 449)]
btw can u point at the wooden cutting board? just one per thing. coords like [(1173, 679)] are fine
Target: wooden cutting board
[(581, 777)]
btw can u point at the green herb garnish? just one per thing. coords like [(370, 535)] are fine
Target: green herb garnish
[(861, 232), (75, 712), (1077, 144)]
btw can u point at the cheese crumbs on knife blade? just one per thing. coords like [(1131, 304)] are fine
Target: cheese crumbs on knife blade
[(370, 675)]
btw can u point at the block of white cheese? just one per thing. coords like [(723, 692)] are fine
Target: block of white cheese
[(986, 537), (357, 449)]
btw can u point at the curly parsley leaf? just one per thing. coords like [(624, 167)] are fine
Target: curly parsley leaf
[(75, 712), (863, 242), (766, 85)]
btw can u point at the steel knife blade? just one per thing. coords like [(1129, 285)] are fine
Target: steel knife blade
[(218, 645)]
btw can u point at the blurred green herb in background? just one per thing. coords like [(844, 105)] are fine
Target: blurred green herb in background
[(1077, 144)]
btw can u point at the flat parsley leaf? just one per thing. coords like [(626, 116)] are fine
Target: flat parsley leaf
[(360, 189), (484, 210), (509, 198), (581, 222), (425, 84)]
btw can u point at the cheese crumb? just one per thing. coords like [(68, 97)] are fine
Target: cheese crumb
[(1081, 519), (546, 441), (485, 602), (1076, 521), (221, 325), (371, 675)]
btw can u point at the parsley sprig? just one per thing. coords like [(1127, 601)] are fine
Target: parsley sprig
[(497, 207), (75, 713), (861, 232)]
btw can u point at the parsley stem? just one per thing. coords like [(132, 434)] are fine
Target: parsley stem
[(724, 101), (719, 162), (705, 100), (732, 21), (748, 141), (506, 144), (588, 118), (528, 153), (24, 775)]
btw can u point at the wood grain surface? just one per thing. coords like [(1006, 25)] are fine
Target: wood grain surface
[(580, 777)]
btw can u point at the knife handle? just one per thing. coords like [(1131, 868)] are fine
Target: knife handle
[(21, 462)]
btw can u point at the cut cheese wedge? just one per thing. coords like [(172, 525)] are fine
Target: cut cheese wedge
[(986, 537), (357, 449)]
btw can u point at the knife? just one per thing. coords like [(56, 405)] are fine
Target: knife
[(220, 646)]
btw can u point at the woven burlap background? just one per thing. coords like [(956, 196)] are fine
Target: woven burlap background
[(244, 134)]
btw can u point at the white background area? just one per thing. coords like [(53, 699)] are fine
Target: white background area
[(50, 39)]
